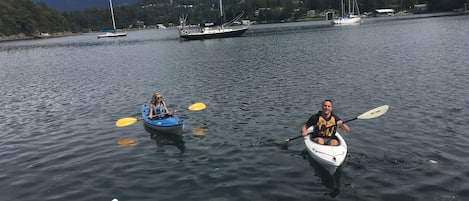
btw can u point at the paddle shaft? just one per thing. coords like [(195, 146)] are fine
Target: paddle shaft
[(345, 122), (131, 120), (156, 115), (376, 112)]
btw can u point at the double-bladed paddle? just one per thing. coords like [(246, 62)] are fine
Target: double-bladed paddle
[(376, 112), (127, 121)]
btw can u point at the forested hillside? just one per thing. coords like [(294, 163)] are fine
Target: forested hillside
[(74, 5), (28, 18)]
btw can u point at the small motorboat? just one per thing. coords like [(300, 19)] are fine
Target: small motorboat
[(329, 157), (169, 124)]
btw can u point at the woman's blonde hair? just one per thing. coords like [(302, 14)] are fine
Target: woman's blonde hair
[(153, 99)]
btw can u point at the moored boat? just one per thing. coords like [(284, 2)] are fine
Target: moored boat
[(172, 124), (350, 17), (329, 157), (112, 33), (211, 31)]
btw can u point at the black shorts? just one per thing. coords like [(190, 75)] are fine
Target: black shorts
[(326, 138)]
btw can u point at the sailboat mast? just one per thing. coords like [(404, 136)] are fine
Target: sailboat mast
[(221, 14), (349, 9), (112, 15), (356, 5), (221, 8), (343, 7)]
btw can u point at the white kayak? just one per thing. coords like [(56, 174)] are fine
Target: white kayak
[(329, 157)]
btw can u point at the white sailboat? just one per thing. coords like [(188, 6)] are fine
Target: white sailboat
[(353, 15), (224, 30), (112, 33)]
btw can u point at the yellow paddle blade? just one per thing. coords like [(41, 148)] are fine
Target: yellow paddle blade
[(197, 106), (126, 121), (127, 142), (374, 112)]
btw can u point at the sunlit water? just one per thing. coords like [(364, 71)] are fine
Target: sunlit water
[(61, 97)]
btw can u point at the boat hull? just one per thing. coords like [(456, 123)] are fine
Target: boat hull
[(171, 124), (347, 20), (112, 35), (212, 34), (329, 157)]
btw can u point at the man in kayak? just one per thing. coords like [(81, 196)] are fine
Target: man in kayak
[(325, 123), (158, 107)]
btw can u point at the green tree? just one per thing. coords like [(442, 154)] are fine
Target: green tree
[(26, 17)]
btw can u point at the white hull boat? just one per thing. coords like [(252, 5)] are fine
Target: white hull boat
[(352, 16), (352, 19), (225, 30), (111, 34), (114, 32)]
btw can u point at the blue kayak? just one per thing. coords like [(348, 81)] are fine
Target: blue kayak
[(171, 124)]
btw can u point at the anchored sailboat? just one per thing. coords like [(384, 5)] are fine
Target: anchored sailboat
[(112, 33), (353, 15), (210, 31)]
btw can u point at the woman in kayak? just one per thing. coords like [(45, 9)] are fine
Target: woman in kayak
[(158, 107), (325, 123)]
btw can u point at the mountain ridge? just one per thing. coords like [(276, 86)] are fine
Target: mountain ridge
[(73, 5)]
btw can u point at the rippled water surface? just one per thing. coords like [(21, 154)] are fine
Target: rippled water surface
[(61, 97)]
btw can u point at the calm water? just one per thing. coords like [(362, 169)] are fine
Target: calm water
[(61, 97)]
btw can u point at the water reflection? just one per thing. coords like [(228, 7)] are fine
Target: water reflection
[(199, 131), (127, 142), (332, 182), (163, 139)]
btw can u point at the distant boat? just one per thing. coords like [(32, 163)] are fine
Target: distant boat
[(112, 33), (353, 15), (209, 30)]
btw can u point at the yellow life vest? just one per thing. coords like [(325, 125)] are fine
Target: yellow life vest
[(323, 124)]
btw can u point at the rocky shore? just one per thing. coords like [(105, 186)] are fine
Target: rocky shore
[(39, 35)]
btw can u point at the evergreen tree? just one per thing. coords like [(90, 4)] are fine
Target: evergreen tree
[(26, 17)]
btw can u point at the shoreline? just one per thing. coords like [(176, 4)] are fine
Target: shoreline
[(69, 33), (22, 36)]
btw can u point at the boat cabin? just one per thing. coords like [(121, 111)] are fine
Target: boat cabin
[(384, 12)]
